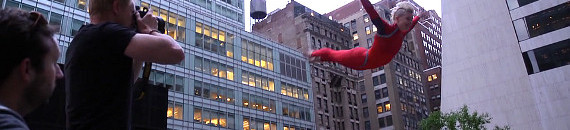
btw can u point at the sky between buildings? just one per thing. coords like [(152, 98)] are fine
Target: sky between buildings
[(325, 6)]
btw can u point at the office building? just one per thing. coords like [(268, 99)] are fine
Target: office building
[(230, 78), (509, 59)]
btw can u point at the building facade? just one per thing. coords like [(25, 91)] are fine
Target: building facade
[(398, 85), (427, 36), (433, 90), (334, 85), (230, 79), (508, 58)]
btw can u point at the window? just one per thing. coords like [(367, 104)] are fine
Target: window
[(366, 18), (381, 122), (365, 112), (367, 29), (382, 78), (363, 97), (547, 57), (174, 110), (367, 125), (385, 92), (548, 20), (379, 108), (369, 42), (375, 81), (214, 92), (81, 4), (207, 38), (197, 114), (374, 29), (389, 120), (214, 68), (377, 94), (354, 36), (387, 106), (75, 26)]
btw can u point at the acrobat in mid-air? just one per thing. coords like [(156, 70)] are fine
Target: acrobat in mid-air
[(387, 41)]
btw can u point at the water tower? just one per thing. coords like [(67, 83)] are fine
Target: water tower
[(258, 9)]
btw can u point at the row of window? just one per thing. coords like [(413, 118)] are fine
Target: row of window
[(432, 77), (409, 85), (214, 92), (383, 107), (381, 93), (377, 80), (293, 67), (175, 110), (328, 33), (55, 19), (255, 80), (411, 97), (214, 117), (214, 68), (297, 112), (229, 13), (292, 127), (408, 72), (408, 61), (175, 24), (518, 3), (257, 102), (294, 91), (214, 40), (543, 22), (256, 54), (385, 121), (547, 57), (175, 82), (250, 123), (236, 3)]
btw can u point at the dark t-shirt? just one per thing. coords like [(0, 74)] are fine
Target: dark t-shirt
[(10, 120), (98, 77)]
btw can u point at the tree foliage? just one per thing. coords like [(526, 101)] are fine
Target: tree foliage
[(461, 119)]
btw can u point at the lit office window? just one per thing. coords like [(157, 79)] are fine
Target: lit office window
[(548, 20), (379, 108), (387, 106), (294, 91), (214, 68), (214, 117), (82, 4), (257, 55), (355, 36), (174, 110), (367, 29)]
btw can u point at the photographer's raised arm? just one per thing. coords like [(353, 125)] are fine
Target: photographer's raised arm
[(155, 47)]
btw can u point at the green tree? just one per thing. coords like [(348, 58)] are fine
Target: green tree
[(461, 119)]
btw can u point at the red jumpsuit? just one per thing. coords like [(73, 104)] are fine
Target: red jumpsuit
[(387, 43)]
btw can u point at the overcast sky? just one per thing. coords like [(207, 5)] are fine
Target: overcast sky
[(325, 6)]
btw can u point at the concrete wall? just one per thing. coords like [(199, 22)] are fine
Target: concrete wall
[(483, 64)]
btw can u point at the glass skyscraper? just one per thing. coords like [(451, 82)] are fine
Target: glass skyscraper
[(230, 78)]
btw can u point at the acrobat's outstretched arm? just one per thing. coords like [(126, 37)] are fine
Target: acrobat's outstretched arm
[(374, 17)]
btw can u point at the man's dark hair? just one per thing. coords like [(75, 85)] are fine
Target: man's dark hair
[(22, 35)]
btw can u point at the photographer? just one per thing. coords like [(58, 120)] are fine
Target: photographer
[(105, 57)]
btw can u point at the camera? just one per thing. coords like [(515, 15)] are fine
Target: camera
[(142, 11)]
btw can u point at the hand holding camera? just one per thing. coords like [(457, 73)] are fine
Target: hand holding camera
[(146, 22)]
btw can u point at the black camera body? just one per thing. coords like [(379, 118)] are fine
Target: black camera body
[(161, 23)]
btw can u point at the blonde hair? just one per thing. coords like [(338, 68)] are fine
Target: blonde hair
[(405, 5)]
